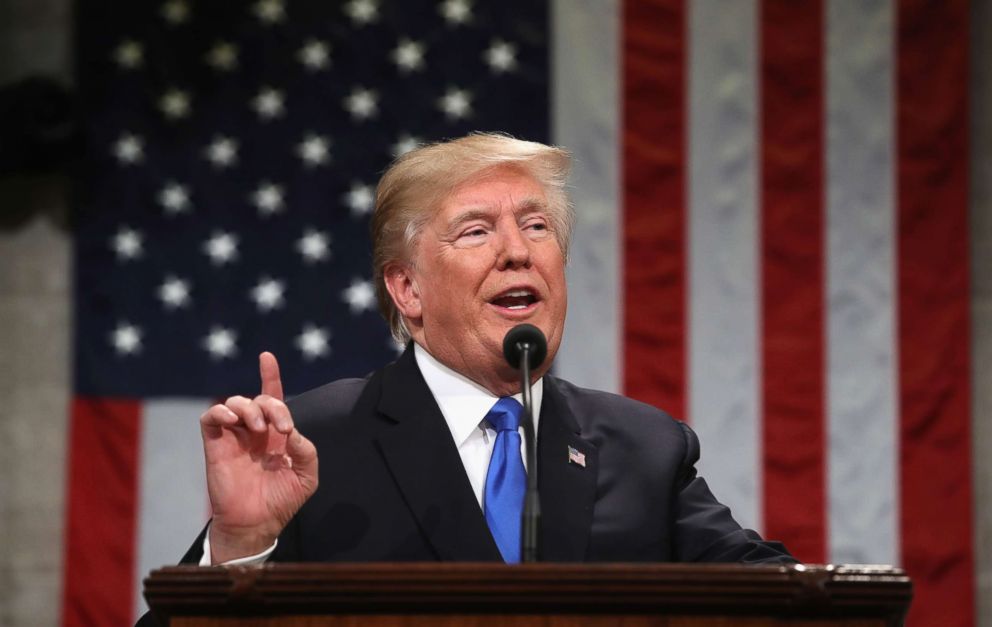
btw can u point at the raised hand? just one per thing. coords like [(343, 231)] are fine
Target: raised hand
[(260, 469)]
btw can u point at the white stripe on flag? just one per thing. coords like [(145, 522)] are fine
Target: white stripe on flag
[(173, 502), (724, 281), (585, 67), (861, 387)]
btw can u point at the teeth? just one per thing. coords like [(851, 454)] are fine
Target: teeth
[(516, 299)]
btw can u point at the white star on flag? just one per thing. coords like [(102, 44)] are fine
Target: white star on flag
[(129, 148), (362, 12), (221, 342), (456, 103), (223, 57), (127, 243), (360, 296), (174, 104), (501, 56), (174, 198), (314, 55), (175, 12), (221, 248), (269, 11), (174, 292), (312, 342), (268, 294), (361, 103), (269, 103), (359, 199), (129, 54), (405, 144), (222, 152), (268, 198), (408, 55), (313, 150), (456, 12), (314, 246), (126, 339)]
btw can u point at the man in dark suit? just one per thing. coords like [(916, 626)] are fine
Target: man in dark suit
[(420, 461)]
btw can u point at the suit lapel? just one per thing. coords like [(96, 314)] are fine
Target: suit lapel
[(424, 461), (568, 489)]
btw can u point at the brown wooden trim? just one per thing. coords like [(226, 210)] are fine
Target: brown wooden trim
[(586, 589)]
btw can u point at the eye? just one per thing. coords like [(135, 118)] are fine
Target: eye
[(474, 232), (536, 227)]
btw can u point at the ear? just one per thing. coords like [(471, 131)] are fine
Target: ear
[(403, 289)]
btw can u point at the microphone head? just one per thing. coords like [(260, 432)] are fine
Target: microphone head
[(513, 345)]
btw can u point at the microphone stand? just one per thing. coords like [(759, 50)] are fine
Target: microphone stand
[(532, 505)]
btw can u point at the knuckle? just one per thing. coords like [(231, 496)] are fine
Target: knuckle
[(214, 411), (234, 400), (272, 405)]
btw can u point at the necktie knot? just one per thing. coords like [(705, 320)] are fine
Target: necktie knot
[(505, 414)]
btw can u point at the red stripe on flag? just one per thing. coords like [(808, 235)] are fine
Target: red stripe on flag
[(100, 536), (792, 275), (654, 202), (934, 333)]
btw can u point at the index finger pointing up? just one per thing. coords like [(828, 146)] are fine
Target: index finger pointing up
[(268, 368)]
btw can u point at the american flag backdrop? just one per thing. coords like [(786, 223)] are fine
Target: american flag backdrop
[(772, 244)]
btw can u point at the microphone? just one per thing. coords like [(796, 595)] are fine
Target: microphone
[(525, 336), (525, 348)]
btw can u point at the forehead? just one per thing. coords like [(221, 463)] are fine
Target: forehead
[(502, 187)]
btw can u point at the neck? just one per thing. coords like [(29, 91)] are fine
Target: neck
[(502, 381)]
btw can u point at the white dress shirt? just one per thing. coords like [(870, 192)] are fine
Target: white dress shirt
[(464, 405)]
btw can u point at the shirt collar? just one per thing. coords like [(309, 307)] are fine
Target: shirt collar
[(463, 402)]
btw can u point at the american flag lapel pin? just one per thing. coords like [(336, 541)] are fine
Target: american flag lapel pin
[(575, 457)]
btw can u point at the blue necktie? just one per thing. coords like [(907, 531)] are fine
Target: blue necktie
[(506, 481)]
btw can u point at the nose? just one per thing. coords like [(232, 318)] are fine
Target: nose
[(514, 249)]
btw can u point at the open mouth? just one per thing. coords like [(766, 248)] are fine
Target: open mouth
[(516, 299)]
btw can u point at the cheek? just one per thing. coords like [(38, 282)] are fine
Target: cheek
[(555, 275), (452, 300), (559, 293)]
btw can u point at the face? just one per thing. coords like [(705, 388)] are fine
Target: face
[(487, 261)]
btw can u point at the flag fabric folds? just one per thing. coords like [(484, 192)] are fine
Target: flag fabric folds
[(787, 267)]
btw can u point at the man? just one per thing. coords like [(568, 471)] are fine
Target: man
[(470, 238)]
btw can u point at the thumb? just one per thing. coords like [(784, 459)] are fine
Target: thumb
[(303, 455)]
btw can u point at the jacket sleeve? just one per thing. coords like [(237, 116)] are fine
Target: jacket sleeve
[(705, 530)]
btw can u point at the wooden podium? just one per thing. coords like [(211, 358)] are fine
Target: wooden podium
[(632, 595)]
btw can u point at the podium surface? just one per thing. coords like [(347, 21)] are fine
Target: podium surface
[(420, 594)]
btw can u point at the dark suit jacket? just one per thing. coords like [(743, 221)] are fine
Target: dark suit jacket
[(393, 487)]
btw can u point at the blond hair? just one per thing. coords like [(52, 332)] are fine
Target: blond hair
[(413, 187)]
